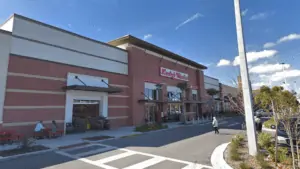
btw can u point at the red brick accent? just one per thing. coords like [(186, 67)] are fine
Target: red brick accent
[(18, 64), (120, 101), (116, 123), (118, 112), (34, 99), (150, 65), (33, 115), (26, 83)]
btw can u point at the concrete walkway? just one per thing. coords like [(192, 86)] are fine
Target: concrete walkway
[(78, 138), (72, 139)]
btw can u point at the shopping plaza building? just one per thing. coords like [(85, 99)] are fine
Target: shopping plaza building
[(48, 74)]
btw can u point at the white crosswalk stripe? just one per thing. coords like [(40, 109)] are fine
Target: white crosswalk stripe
[(103, 163)]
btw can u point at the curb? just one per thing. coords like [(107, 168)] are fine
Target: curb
[(2, 159), (99, 141), (267, 129), (217, 158)]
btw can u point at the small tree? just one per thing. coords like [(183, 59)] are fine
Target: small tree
[(266, 98), (284, 105), (237, 103), (183, 86)]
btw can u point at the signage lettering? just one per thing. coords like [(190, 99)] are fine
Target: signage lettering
[(173, 74)]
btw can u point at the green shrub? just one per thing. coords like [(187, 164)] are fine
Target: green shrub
[(237, 140), (244, 165), (233, 151), (235, 156), (265, 140), (269, 123), (260, 158), (150, 127), (282, 154)]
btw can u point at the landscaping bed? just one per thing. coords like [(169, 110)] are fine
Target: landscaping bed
[(150, 127), (97, 138), (237, 156), (73, 145), (18, 151)]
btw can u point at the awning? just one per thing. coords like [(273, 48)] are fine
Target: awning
[(93, 88), (169, 101)]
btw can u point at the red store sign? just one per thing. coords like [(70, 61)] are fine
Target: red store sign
[(173, 74)]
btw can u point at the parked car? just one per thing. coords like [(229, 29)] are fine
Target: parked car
[(282, 135), (263, 113)]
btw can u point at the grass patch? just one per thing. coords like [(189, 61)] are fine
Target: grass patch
[(270, 123), (18, 151), (244, 166), (150, 127)]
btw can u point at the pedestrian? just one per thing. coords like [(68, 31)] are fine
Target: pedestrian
[(215, 125)]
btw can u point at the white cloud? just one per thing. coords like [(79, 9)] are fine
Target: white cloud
[(254, 56), (148, 36), (258, 85), (278, 76), (289, 37), (268, 68), (194, 17), (286, 86), (244, 12), (259, 16), (269, 45), (224, 62)]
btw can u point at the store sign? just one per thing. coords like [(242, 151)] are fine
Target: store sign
[(173, 74)]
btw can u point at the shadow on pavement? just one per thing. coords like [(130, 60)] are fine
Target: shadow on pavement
[(162, 138), (154, 139)]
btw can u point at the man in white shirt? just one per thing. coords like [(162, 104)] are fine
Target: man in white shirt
[(39, 127)]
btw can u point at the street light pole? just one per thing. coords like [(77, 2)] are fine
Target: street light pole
[(283, 72), (246, 84)]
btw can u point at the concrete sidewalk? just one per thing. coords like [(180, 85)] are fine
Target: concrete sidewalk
[(78, 138), (114, 133)]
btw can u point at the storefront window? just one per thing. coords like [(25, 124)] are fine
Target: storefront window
[(152, 94), (173, 96)]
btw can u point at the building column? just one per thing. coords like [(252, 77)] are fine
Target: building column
[(164, 97), (201, 90), (5, 45)]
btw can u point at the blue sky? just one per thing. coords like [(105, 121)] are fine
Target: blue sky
[(202, 30)]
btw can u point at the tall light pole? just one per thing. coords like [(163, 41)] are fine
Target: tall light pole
[(247, 90), (283, 72)]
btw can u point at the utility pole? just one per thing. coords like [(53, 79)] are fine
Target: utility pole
[(247, 90)]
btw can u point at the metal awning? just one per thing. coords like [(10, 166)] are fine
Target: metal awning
[(169, 101), (93, 88)]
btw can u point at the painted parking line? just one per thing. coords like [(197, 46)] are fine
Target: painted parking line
[(151, 161)]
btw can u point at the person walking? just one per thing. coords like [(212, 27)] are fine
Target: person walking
[(215, 125)]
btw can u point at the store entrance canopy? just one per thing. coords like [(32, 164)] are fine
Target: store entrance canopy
[(93, 88)]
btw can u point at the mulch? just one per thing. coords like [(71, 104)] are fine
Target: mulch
[(73, 145), (97, 138), (18, 151)]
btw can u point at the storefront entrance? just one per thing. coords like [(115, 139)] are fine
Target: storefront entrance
[(86, 108), (174, 110)]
